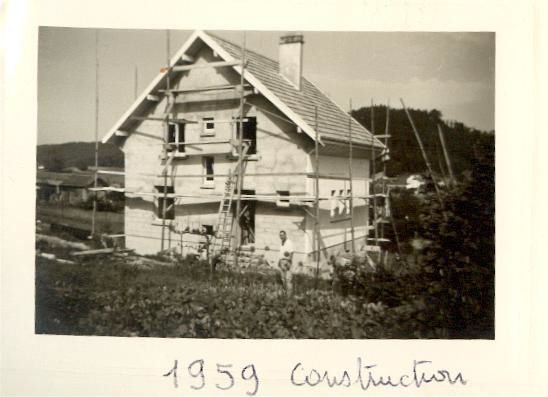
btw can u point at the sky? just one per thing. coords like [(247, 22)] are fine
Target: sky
[(451, 72)]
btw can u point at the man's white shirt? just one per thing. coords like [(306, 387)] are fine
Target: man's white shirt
[(286, 247)]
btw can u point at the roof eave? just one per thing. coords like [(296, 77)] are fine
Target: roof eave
[(261, 88), (155, 82)]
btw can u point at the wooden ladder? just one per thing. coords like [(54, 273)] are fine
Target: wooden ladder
[(223, 235)]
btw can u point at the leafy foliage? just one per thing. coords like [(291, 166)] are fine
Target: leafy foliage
[(184, 301), (452, 294), (460, 264)]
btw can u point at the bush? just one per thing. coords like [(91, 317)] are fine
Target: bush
[(110, 298), (460, 263)]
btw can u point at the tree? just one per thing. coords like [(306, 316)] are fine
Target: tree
[(56, 164), (460, 263)]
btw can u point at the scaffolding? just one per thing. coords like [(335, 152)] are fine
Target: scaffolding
[(230, 201)]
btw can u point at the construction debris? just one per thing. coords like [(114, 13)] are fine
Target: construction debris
[(93, 252), (52, 257)]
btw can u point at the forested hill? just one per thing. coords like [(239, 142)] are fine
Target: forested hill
[(78, 154), (463, 143)]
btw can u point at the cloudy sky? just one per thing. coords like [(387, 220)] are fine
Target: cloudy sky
[(452, 72)]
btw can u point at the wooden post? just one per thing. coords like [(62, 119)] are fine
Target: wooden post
[(383, 184), (166, 139), (316, 237), (386, 133), (94, 213), (446, 155), (240, 158), (394, 227), (351, 201), (425, 157), (373, 172), (440, 163)]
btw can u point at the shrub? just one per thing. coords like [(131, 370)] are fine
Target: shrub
[(460, 262)]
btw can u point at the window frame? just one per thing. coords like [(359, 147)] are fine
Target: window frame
[(176, 145), (247, 122), (208, 131), (208, 180)]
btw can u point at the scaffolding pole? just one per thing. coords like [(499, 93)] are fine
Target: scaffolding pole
[(386, 129), (423, 151), (265, 197), (384, 254), (95, 179), (240, 158), (373, 171), (351, 201), (316, 237), (166, 139), (446, 155)]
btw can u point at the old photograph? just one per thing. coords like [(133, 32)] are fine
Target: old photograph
[(265, 184)]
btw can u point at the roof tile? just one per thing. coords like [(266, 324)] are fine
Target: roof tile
[(332, 120)]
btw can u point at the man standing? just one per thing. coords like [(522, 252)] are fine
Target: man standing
[(285, 261)]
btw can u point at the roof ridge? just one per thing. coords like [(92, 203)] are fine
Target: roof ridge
[(216, 36)]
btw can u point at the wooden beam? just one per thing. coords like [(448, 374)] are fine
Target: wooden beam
[(348, 218), (164, 118), (316, 237), (212, 96), (186, 68), (93, 252), (199, 142), (211, 88), (446, 155), (111, 172), (121, 133), (351, 201), (153, 98)]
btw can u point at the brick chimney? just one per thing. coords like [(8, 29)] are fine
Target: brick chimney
[(291, 58)]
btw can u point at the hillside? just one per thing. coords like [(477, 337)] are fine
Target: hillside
[(463, 143), (78, 154)]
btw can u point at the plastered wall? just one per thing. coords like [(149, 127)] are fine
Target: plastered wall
[(279, 149)]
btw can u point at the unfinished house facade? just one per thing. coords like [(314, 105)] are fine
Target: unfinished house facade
[(201, 133)]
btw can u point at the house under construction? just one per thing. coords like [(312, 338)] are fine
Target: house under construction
[(228, 141)]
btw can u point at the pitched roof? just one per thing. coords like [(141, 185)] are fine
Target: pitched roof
[(332, 120), (263, 73)]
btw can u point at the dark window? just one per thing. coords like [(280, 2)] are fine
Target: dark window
[(208, 169), (208, 229), (250, 133), (167, 202), (176, 137), (209, 126)]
